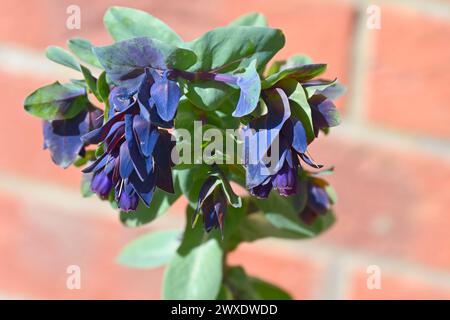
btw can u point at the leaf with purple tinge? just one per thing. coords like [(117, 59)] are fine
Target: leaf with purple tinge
[(62, 138), (250, 85), (57, 101), (333, 91), (324, 113), (125, 61), (166, 94), (301, 73)]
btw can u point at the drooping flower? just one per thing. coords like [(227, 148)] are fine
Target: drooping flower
[(318, 201), (139, 68), (63, 137), (213, 204), (136, 158), (273, 150)]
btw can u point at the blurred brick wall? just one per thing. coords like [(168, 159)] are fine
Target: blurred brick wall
[(392, 154)]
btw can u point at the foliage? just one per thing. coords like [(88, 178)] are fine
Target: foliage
[(154, 86)]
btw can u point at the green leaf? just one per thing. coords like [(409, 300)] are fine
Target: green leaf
[(275, 67), (85, 186), (126, 23), (224, 293), (268, 291), (273, 217), (227, 47), (91, 82), (103, 87), (191, 180), (159, 205), (57, 101), (82, 48), (253, 19), (301, 73), (196, 274), (296, 61), (301, 110), (244, 287), (61, 56), (280, 213), (232, 197), (211, 95), (151, 250)]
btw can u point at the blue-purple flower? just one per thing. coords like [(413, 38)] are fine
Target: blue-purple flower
[(63, 137), (273, 150), (136, 158), (318, 201), (212, 202)]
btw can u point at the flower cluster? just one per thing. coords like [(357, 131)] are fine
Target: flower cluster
[(128, 147)]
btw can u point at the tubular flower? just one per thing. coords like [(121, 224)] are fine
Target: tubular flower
[(273, 150), (135, 159), (318, 201), (213, 203)]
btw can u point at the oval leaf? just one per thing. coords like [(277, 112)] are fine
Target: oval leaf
[(150, 250), (253, 19), (196, 274), (61, 56), (57, 101), (82, 48), (126, 23)]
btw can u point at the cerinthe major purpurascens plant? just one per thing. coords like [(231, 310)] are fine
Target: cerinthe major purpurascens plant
[(195, 119)]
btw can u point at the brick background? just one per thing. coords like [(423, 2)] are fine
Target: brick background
[(392, 164)]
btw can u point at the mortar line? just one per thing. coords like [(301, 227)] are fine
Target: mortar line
[(432, 8), (321, 252), (400, 140), (354, 258), (360, 54)]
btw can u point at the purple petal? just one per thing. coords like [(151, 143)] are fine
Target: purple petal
[(145, 188), (146, 137), (166, 95), (250, 85), (97, 164), (126, 165), (318, 199), (63, 138), (138, 160)]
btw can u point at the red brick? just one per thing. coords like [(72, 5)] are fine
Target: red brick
[(39, 242), (46, 20), (21, 135), (410, 73), (396, 286), (302, 22), (297, 275), (389, 201)]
